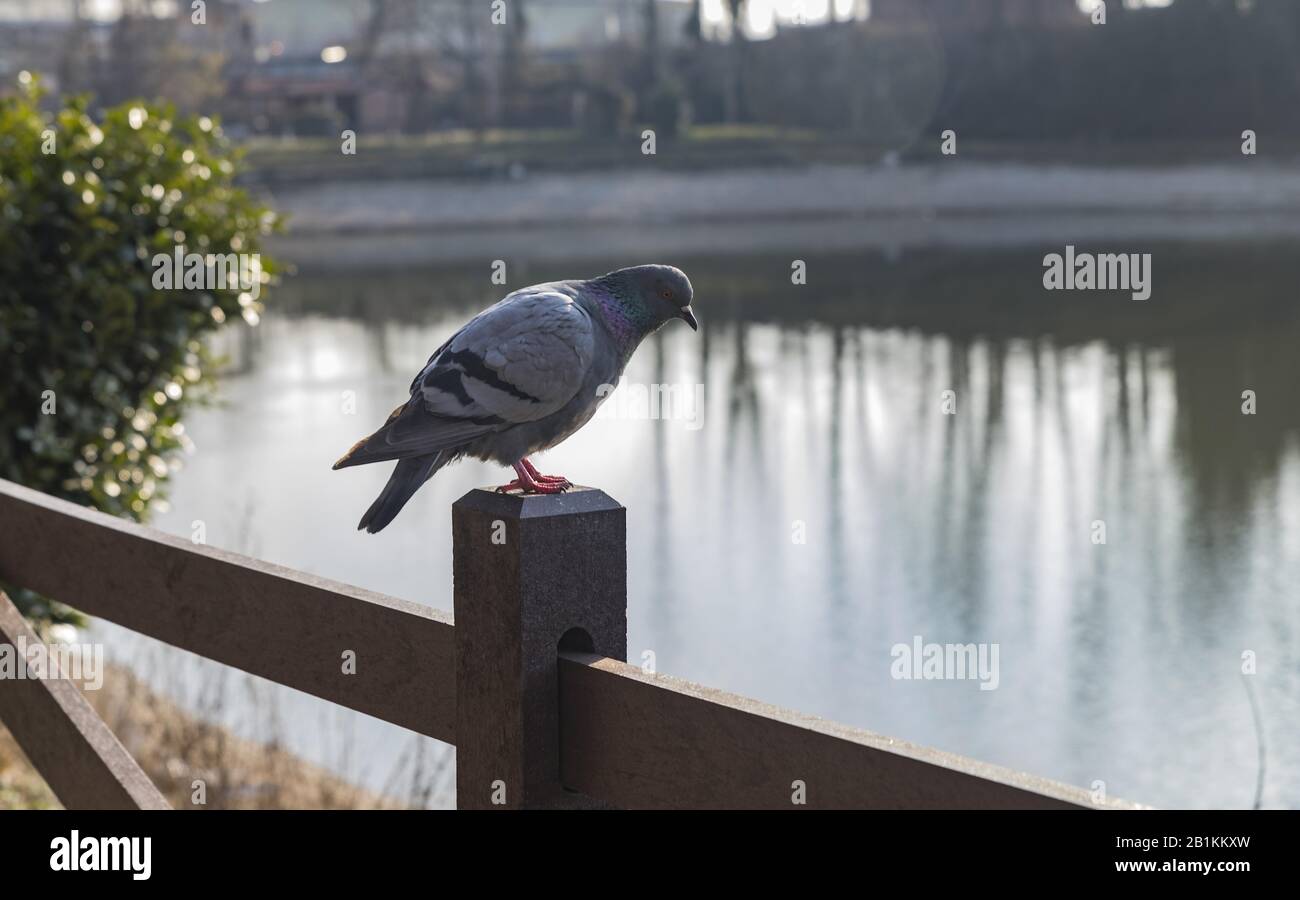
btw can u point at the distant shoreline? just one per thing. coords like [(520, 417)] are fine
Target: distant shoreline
[(935, 193), (830, 208)]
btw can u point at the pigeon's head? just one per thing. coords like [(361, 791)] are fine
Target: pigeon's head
[(657, 293)]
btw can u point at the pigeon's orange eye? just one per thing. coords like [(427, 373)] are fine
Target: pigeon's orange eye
[(667, 293)]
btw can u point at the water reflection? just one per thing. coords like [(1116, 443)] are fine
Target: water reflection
[(824, 417)]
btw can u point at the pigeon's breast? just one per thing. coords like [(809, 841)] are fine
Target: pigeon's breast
[(511, 444)]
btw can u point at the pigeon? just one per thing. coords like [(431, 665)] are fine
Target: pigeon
[(519, 378)]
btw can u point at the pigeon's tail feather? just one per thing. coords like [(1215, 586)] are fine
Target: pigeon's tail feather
[(407, 477), (360, 454), (412, 431)]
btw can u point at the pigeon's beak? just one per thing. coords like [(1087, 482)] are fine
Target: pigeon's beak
[(688, 316)]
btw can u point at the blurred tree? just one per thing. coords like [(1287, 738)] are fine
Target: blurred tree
[(378, 21), (144, 55), (733, 91), (662, 98), (72, 57), (694, 25), (467, 47), (652, 50), (98, 363), (513, 74)]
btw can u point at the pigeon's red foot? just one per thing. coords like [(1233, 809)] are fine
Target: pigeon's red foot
[(533, 487), (544, 479), (530, 481)]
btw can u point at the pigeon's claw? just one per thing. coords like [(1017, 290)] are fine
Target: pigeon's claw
[(535, 487), (530, 481), (544, 479)]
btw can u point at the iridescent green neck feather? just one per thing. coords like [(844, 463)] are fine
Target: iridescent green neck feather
[(626, 315)]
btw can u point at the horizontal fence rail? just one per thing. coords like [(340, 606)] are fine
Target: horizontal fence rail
[(652, 741), (529, 685), (287, 626)]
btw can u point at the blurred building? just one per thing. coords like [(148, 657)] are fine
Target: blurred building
[(960, 15), (314, 66)]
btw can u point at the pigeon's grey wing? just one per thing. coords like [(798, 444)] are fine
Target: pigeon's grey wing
[(516, 362)]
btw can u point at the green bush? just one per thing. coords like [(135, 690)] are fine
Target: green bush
[(97, 365)]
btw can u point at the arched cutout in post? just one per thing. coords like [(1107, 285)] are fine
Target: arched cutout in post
[(576, 640), (531, 572)]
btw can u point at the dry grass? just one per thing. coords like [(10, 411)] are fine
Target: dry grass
[(20, 786), (176, 749)]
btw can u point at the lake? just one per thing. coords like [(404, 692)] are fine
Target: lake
[(828, 500)]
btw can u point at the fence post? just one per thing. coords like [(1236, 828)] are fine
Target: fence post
[(530, 571)]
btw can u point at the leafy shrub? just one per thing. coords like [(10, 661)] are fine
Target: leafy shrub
[(97, 365)]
